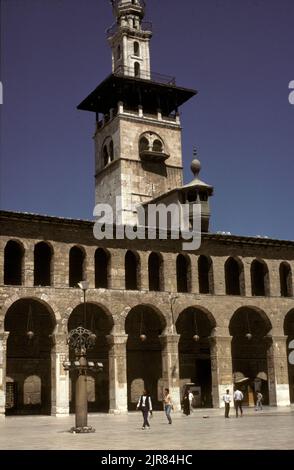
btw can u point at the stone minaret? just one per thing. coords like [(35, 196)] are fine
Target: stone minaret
[(138, 153), (129, 39)]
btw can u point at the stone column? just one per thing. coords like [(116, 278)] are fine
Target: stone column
[(118, 387), (90, 266), (274, 278), (247, 276), (219, 275), (29, 265), (59, 377), (170, 367), (117, 269), (277, 363), (61, 265), (144, 272), (194, 280), (169, 272), (221, 368), (3, 344)]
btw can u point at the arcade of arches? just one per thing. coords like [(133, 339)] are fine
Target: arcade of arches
[(148, 352)]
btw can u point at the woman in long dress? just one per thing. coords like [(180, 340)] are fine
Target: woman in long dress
[(186, 404)]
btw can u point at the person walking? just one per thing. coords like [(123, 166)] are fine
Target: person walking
[(186, 404), (191, 396), (145, 405), (227, 401), (238, 398), (259, 398), (168, 405)]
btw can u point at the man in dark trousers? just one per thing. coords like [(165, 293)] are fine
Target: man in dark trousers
[(145, 405), (238, 398), (227, 401)]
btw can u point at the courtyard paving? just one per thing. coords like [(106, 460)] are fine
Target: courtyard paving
[(272, 428)]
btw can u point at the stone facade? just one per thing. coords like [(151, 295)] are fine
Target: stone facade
[(117, 302), (163, 317)]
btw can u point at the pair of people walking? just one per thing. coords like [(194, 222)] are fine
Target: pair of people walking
[(145, 405), (238, 398)]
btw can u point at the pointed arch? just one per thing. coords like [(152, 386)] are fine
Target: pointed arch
[(43, 264), (132, 270), (77, 259), (234, 277), (286, 281), (102, 268), (205, 275), (260, 278), (155, 272), (14, 263), (183, 268)]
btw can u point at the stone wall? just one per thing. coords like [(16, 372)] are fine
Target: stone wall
[(117, 302)]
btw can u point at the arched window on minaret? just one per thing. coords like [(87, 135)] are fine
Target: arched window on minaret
[(105, 155), (137, 69), (118, 52), (111, 154), (143, 144), (157, 146), (136, 49)]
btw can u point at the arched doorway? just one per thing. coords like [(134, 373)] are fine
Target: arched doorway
[(195, 327), (289, 332), (30, 323), (144, 325), (100, 323), (249, 328)]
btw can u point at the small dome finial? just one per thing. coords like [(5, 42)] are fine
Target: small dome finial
[(195, 164)]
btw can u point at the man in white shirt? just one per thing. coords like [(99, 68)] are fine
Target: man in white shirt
[(145, 405), (191, 396), (238, 398), (227, 401)]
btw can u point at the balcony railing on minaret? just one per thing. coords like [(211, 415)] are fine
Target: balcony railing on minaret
[(145, 26), (145, 75)]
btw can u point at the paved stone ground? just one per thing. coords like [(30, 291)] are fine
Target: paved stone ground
[(271, 428)]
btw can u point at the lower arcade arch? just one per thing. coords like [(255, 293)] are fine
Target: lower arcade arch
[(30, 324), (144, 325), (251, 353), (93, 317), (195, 325), (289, 332)]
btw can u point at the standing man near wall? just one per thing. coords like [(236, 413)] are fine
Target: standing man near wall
[(238, 398), (227, 400)]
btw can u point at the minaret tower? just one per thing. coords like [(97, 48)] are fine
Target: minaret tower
[(129, 39), (138, 153)]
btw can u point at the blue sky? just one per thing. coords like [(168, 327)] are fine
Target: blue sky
[(238, 54)]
